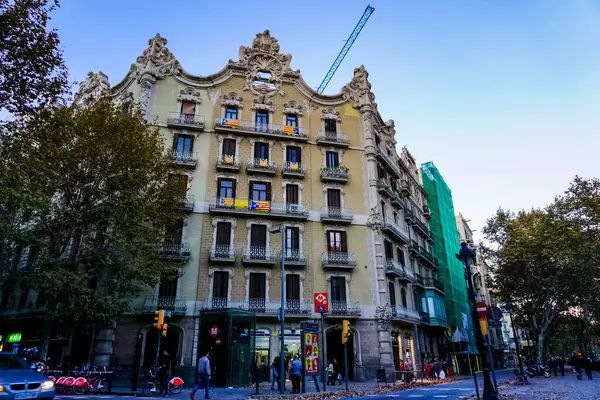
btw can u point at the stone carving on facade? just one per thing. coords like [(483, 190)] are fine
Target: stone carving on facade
[(330, 113), (309, 107), (189, 94), (156, 60), (383, 315), (145, 93), (358, 91), (214, 94), (92, 89), (389, 128), (232, 99), (291, 107), (263, 103), (126, 98), (375, 221), (261, 59)]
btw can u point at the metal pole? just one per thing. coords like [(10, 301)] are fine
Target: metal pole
[(157, 348), (489, 353), (282, 352), (346, 364), (517, 345), (323, 362)]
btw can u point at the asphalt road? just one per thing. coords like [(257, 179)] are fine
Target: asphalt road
[(448, 391)]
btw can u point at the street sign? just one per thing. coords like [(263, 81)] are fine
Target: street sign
[(310, 326), (214, 331), (484, 326), (167, 313), (482, 309), (218, 341), (321, 302), (13, 338)]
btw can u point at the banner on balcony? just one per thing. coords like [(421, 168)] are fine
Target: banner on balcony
[(294, 166), (263, 163), (311, 353), (226, 202), (260, 205), (241, 204), (230, 123), (291, 130), (227, 159)]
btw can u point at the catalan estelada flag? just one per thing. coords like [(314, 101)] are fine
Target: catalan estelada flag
[(227, 159), (226, 202), (294, 166), (291, 130), (263, 162), (230, 123), (260, 205)]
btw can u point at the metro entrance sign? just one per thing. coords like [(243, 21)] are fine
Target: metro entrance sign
[(321, 302), (482, 309)]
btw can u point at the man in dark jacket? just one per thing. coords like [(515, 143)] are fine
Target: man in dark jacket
[(576, 363), (164, 374)]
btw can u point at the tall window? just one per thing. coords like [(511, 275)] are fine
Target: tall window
[(332, 159), (258, 236), (174, 233), (220, 289), (223, 238), (226, 188), (261, 150), (168, 287), (403, 295), (262, 120), (395, 217), (291, 120), (392, 290), (389, 252), (293, 154), (292, 243), (383, 210), (188, 108), (231, 112), (184, 145), (400, 256), (260, 191), (338, 289), (292, 293), (334, 199), (292, 194), (336, 242), (229, 146), (330, 126), (256, 292)]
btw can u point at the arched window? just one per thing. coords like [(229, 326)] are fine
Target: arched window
[(403, 295)]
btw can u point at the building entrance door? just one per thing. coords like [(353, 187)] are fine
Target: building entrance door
[(335, 350)]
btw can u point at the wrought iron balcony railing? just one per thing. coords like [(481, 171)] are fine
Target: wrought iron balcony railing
[(184, 159), (434, 283), (405, 187), (222, 252), (409, 216), (394, 269), (228, 205), (336, 174), (395, 230), (262, 129), (188, 203), (12, 309), (388, 161), (405, 313), (188, 120), (228, 162), (259, 305), (259, 254), (338, 259), (261, 165), (294, 257), (173, 251), (414, 248), (333, 139), (175, 304), (427, 256), (336, 214), (293, 169), (419, 281), (424, 317), (337, 307), (384, 188)]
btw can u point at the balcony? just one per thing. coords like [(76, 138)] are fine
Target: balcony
[(395, 231), (394, 269), (414, 248), (178, 252), (409, 217), (184, 159), (251, 208), (333, 139), (261, 166), (426, 212), (338, 309), (293, 170), (427, 257), (258, 255), (404, 188), (338, 260), (397, 201), (435, 321), (419, 281), (337, 174), (188, 203), (388, 161), (251, 128), (267, 308), (228, 163), (424, 316), (384, 188), (188, 121), (295, 258), (222, 254), (433, 283), (421, 228), (336, 215), (175, 304), (400, 313)]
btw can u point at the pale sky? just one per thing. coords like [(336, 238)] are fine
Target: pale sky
[(503, 95)]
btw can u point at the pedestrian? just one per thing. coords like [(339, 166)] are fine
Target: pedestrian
[(438, 368), (427, 369), (552, 366), (330, 371), (164, 373), (203, 376), (275, 377), (337, 371), (587, 365), (112, 364), (295, 373), (561, 365), (576, 363), (286, 367)]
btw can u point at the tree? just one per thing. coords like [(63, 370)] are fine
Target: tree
[(32, 71), (87, 195), (531, 267)]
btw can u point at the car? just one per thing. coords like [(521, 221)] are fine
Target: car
[(18, 381)]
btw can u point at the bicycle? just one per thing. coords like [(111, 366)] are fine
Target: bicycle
[(150, 388)]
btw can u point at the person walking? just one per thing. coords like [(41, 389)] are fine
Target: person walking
[(587, 365), (203, 378), (275, 375), (337, 371), (576, 363), (438, 368), (164, 373), (295, 373), (561, 365), (330, 371), (427, 370), (552, 366)]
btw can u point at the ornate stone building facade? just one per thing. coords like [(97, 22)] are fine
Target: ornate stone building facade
[(256, 149)]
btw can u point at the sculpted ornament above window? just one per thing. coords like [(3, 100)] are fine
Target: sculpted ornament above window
[(291, 107), (330, 113), (95, 86), (232, 99), (156, 61), (189, 94), (265, 65)]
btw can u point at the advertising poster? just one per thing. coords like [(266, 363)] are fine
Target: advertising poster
[(311, 353)]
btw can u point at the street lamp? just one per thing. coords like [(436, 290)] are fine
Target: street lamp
[(510, 307), (281, 230), (467, 256)]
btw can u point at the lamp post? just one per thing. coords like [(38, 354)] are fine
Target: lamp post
[(281, 230), (510, 307), (467, 256)]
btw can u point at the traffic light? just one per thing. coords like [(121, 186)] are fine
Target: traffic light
[(164, 329), (159, 320), (345, 331)]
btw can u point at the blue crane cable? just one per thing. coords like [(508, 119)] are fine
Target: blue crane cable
[(359, 26)]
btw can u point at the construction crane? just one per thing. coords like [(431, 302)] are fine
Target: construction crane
[(359, 26)]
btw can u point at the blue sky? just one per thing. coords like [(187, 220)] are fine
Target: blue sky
[(503, 95)]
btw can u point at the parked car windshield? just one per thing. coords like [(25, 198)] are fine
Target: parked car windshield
[(12, 361)]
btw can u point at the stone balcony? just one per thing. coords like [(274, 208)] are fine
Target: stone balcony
[(184, 159), (293, 170), (259, 256), (222, 254), (394, 269), (338, 260), (188, 121), (250, 208), (228, 163), (337, 174), (400, 313), (269, 131), (396, 232), (175, 304), (333, 139), (384, 188), (388, 162), (336, 215), (177, 252), (261, 166)]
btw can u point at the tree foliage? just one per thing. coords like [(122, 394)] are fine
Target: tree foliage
[(32, 72), (85, 197)]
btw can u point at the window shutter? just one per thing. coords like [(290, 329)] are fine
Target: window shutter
[(343, 243), (291, 194), (268, 184), (292, 287), (257, 150), (223, 233), (392, 290), (233, 186), (188, 107)]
